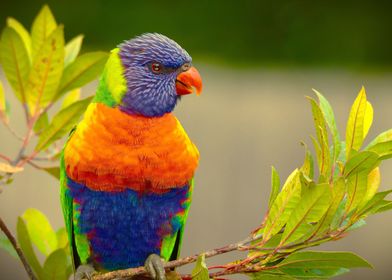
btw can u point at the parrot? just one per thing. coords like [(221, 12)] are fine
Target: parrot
[(127, 168)]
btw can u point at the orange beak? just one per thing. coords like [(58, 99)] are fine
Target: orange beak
[(188, 80)]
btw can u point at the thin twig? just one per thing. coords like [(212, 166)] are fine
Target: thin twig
[(12, 131), (7, 159), (18, 250)]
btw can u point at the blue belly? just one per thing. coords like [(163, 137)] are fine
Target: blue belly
[(123, 228)]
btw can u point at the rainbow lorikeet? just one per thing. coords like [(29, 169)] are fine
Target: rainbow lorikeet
[(127, 168)]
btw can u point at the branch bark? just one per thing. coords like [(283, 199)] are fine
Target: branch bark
[(131, 272)]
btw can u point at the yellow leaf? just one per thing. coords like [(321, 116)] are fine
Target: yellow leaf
[(367, 123), (46, 71), (5, 167), (283, 206), (71, 97), (2, 98), (15, 61), (72, 49), (19, 28), (373, 183), (43, 26), (356, 123)]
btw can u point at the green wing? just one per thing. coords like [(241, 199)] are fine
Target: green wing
[(171, 244), (78, 243), (67, 207)]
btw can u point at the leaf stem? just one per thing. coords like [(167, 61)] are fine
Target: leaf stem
[(18, 250)]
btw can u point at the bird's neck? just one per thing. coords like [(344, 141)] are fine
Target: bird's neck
[(112, 84)]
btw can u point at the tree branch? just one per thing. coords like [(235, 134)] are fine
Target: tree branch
[(131, 272), (18, 250)]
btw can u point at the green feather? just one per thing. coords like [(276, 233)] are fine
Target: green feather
[(79, 246), (112, 85), (171, 244)]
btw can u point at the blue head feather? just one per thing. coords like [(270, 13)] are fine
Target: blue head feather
[(148, 93)]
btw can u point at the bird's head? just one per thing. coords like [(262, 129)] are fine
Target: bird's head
[(157, 73)]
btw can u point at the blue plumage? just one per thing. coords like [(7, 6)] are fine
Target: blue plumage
[(125, 227), (149, 94)]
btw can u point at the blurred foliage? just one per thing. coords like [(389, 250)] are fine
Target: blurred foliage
[(42, 67), (33, 228), (354, 34), (321, 203)]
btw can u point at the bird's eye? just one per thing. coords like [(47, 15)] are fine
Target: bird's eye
[(156, 67)]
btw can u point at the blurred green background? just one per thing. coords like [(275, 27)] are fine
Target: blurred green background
[(355, 34), (258, 60)]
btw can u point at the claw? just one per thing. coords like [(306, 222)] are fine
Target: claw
[(85, 271), (154, 265)]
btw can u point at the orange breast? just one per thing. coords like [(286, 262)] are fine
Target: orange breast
[(112, 151)]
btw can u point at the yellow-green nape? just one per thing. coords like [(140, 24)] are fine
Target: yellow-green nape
[(112, 85)]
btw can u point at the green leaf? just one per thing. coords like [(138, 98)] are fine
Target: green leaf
[(283, 206), (43, 26), (362, 161), (356, 189), (23, 33), (319, 273), (378, 206), (27, 248), (46, 71), (40, 231), (275, 186), (360, 119), (41, 124), (314, 259), (382, 137), (340, 216), (15, 61), (383, 149), (271, 275), (338, 192), (54, 171), (54, 266), (373, 183), (62, 238), (71, 98), (322, 137), (82, 71), (62, 123), (383, 206), (357, 224), (5, 244), (200, 272), (308, 166), (330, 119), (372, 205), (72, 49), (310, 209)]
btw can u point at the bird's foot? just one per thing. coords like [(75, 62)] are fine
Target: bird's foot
[(85, 271), (154, 266)]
